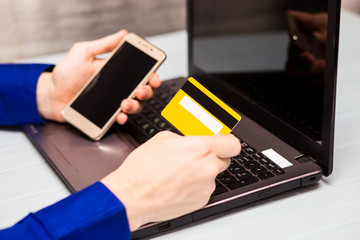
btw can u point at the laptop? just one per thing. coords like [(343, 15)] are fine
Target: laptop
[(275, 62)]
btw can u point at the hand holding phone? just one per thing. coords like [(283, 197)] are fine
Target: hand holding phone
[(94, 108)]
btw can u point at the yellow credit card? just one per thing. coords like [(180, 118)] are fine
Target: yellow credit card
[(194, 110)]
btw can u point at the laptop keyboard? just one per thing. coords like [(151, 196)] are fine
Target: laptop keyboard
[(246, 168), (149, 121)]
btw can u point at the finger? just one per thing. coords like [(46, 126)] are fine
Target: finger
[(155, 81), (97, 63), (305, 20), (306, 59), (320, 36), (318, 67), (106, 44), (131, 106), (224, 146), (148, 91), (145, 92), (121, 118)]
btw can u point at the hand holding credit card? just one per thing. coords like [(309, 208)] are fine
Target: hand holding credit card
[(194, 110)]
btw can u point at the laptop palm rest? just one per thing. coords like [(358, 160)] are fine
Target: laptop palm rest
[(77, 149), (89, 159)]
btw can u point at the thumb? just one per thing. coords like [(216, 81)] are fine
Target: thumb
[(106, 44), (224, 146)]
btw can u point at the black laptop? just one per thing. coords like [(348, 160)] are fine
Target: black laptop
[(275, 62)]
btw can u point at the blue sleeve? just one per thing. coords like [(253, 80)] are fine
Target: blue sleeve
[(93, 213), (18, 93)]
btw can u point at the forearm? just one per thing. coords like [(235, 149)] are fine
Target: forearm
[(18, 101), (94, 213)]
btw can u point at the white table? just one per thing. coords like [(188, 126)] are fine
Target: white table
[(328, 210)]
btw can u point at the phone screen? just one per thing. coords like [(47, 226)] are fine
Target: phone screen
[(115, 82)]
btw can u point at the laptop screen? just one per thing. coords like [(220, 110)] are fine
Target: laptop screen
[(275, 61)]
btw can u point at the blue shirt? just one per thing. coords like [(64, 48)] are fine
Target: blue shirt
[(93, 213)]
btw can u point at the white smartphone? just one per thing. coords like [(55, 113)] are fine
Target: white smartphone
[(94, 108)]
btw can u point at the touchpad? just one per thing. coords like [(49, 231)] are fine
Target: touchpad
[(77, 149)]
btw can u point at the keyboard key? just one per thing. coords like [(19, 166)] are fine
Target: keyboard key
[(257, 170), (217, 183), (150, 115), (257, 156), (242, 153), (243, 174), (248, 159), (152, 131), (146, 110), (163, 96), (171, 129), (245, 159), (244, 145), (223, 174), (227, 179), (233, 164), (219, 190), (271, 166), (145, 126), (162, 125), (156, 120), (140, 121), (279, 171), (158, 106), (138, 135), (242, 183), (235, 170), (250, 150), (251, 165), (265, 175), (236, 157), (152, 102), (264, 161)]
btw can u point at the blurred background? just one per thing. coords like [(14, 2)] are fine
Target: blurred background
[(39, 27)]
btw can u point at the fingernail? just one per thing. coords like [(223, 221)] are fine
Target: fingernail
[(144, 93), (128, 105)]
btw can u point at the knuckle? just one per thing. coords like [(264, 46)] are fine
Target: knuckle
[(239, 146), (77, 45), (212, 171), (80, 46), (236, 143), (203, 147)]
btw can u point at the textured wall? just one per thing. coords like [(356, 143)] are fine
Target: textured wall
[(36, 27)]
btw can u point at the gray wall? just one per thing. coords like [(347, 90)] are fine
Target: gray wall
[(37, 27)]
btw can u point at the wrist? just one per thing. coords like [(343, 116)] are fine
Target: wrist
[(136, 217), (46, 98)]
